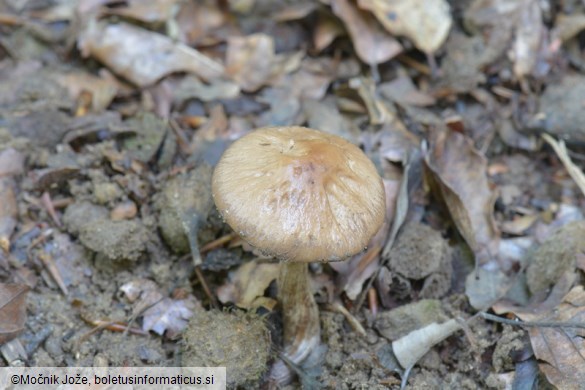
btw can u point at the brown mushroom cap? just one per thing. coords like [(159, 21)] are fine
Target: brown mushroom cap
[(299, 194)]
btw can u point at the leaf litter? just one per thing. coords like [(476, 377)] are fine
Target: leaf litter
[(112, 115)]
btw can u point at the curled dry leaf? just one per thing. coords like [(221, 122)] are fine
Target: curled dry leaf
[(372, 44), (12, 310), (410, 348), (143, 56), (458, 173), (248, 284), (426, 23)]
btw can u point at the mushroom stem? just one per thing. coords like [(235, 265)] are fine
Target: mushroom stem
[(302, 331)]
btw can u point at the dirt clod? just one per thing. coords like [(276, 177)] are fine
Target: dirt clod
[(421, 253), (555, 256), (116, 240), (237, 341)]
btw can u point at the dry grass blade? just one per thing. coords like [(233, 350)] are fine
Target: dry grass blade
[(561, 150)]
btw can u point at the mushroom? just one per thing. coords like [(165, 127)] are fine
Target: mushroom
[(299, 195)]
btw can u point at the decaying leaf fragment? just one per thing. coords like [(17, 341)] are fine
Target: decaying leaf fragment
[(459, 172), (12, 310), (410, 348), (246, 288), (143, 56), (160, 314), (372, 44), (425, 22), (560, 350)]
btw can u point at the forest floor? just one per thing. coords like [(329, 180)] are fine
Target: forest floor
[(112, 253)]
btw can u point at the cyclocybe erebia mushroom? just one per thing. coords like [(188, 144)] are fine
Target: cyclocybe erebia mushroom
[(300, 195)]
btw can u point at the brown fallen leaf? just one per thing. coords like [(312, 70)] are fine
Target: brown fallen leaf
[(327, 28), (372, 44), (143, 56), (12, 310), (203, 23), (560, 350), (459, 172), (249, 60), (426, 23), (252, 62), (246, 288)]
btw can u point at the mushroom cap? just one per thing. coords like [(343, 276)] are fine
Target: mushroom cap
[(299, 194)]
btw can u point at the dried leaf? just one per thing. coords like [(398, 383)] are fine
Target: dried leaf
[(560, 350), (459, 171), (248, 284), (410, 348), (249, 60), (169, 315), (372, 44), (12, 310), (252, 63), (160, 314), (143, 56), (201, 22), (426, 23), (326, 30)]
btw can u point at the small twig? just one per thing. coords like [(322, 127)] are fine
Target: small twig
[(206, 288), (409, 61), (47, 202), (355, 324), (561, 150), (217, 243), (50, 265), (532, 324), (373, 301)]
